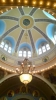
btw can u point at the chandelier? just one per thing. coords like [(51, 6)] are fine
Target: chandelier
[(25, 71), (26, 67)]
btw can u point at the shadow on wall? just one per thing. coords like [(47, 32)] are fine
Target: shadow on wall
[(53, 98), (52, 78), (50, 75)]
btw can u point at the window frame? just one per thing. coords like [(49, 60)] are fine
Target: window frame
[(43, 49), (4, 46)]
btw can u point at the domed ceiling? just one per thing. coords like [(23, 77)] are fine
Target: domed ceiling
[(31, 21), (27, 30)]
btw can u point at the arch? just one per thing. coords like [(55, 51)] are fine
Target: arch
[(24, 96), (51, 30), (39, 41), (37, 76), (2, 27), (27, 45), (49, 15), (47, 82), (4, 14), (11, 40)]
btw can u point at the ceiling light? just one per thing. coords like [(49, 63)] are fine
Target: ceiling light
[(52, 13), (25, 78), (17, 6), (19, 0), (22, 6), (11, 8), (6, 9), (3, 1), (11, 0), (55, 5), (1, 11), (38, 8), (41, 2), (25, 72), (48, 3), (26, 1), (34, 2)]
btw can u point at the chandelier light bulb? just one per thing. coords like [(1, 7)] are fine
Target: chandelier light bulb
[(25, 78)]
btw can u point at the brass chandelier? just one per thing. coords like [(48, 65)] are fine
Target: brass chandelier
[(25, 71)]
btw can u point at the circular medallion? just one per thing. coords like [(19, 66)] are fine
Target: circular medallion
[(3, 58), (26, 22), (45, 59)]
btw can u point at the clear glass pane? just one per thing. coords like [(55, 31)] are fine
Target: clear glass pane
[(9, 51), (29, 56), (5, 49), (9, 48), (1, 46), (40, 50), (43, 47), (20, 52), (29, 52), (47, 45), (6, 46), (48, 48), (2, 43), (24, 53), (44, 50)]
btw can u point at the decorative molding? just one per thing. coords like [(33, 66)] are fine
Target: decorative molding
[(18, 41), (9, 17), (10, 30), (32, 41), (32, 11), (21, 10), (31, 3), (42, 33), (45, 20)]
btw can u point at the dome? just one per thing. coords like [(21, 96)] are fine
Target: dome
[(28, 33)]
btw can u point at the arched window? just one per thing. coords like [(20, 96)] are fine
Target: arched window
[(6, 46), (24, 52), (51, 32), (43, 48), (20, 53)]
